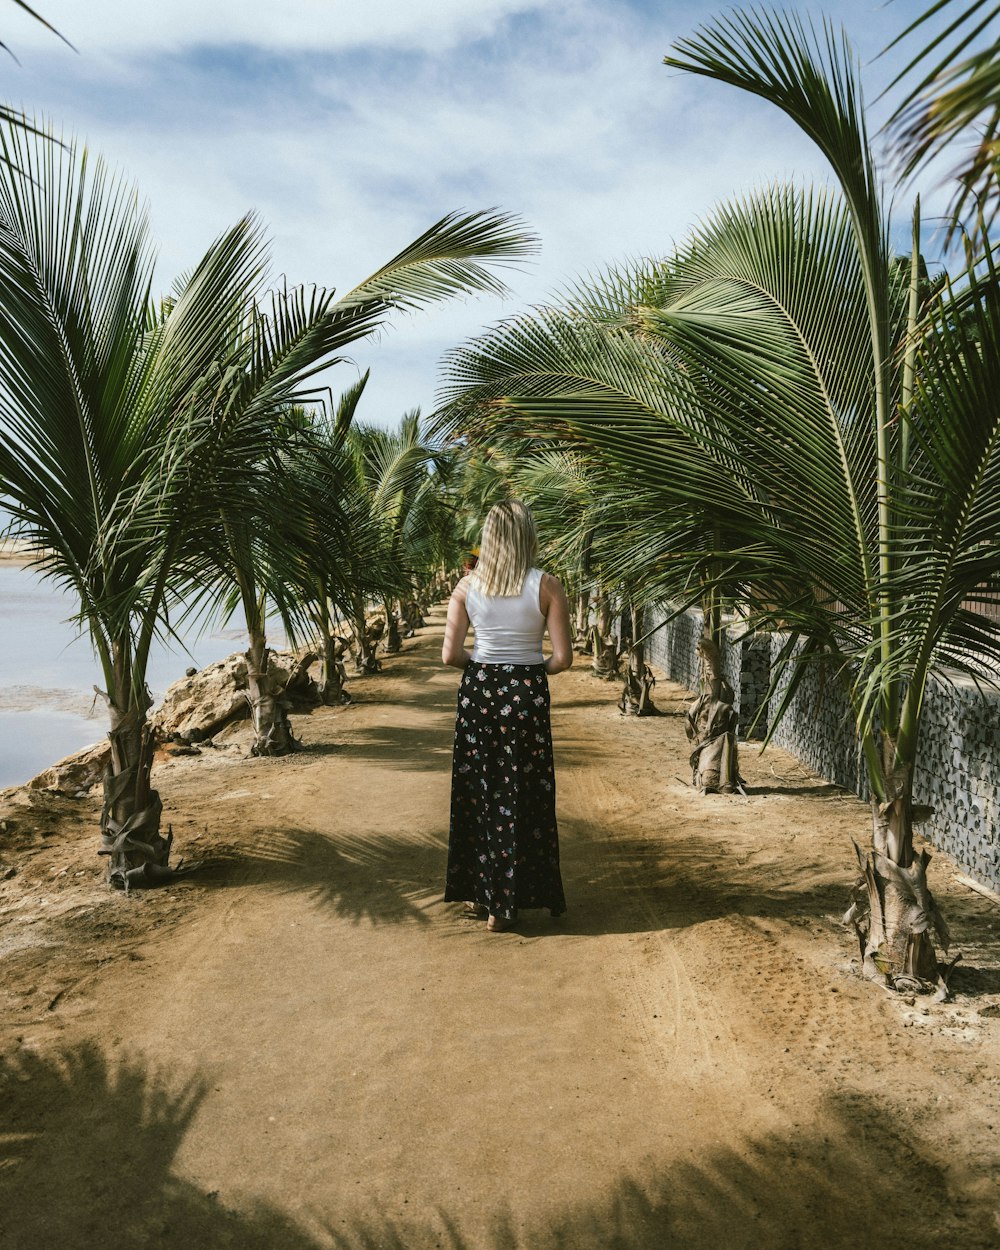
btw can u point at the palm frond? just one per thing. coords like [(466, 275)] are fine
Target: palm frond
[(457, 255), (953, 103)]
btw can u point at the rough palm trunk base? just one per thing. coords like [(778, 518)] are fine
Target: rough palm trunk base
[(333, 674), (393, 643), (137, 852), (606, 657), (637, 693), (583, 641), (367, 635), (894, 915), (268, 708), (711, 727), (413, 617)]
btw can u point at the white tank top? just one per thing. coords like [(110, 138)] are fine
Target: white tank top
[(509, 628)]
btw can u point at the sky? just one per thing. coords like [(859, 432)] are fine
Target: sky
[(353, 125)]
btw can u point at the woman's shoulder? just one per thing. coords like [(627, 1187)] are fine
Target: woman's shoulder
[(462, 588), (550, 588)]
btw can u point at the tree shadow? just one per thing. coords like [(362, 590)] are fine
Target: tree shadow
[(849, 1181), (643, 884), (379, 879), (86, 1155), (89, 1146), (818, 790), (974, 980), (400, 747), (613, 884)]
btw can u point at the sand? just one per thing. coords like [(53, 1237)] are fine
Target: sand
[(302, 1046)]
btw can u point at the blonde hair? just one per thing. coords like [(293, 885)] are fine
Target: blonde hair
[(508, 549)]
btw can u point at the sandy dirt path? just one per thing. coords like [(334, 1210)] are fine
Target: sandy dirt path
[(303, 1047)]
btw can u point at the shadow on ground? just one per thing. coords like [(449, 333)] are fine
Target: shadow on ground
[(419, 748), (380, 879), (89, 1142), (640, 884), (613, 884), (400, 747)]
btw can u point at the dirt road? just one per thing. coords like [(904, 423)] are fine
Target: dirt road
[(303, 1047)]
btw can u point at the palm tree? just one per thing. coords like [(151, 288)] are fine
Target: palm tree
[(399, 473), (953, 103), (846, 455), (372, 485), (925, 522), (127, 428), (331, 548)]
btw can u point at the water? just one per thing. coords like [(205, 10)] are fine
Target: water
[(48, 708)]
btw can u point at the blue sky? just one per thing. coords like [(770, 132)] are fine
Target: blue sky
[(351, 125)]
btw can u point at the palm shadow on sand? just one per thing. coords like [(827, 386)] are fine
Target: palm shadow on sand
[(381, 879), (400, 747), (90, 1141), (613, 884)]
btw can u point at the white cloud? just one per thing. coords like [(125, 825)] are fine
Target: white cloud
[(304, 25), (348, 155)]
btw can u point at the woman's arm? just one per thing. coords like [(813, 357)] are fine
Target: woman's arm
[(453, 653), (555, 606)]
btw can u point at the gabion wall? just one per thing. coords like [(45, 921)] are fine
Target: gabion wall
[(958, 774), (672, 647)]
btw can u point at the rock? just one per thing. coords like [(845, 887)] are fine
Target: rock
[(195, 708), (197, 705), (375, 626), (190, 672), (76, 774)]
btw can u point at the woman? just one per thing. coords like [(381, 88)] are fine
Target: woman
[(503, 852)]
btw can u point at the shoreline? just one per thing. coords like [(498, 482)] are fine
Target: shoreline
[(15, 551)]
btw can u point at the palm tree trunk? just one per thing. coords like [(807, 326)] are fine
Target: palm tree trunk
[(894, 912), (605, 662), (130, 817), (333, 675), (365, 661), (583, 642), (711, 723), (265, 691), (413, 612), (393, 642), (637, 695)]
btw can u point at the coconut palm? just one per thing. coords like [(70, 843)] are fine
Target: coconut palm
[(847, 458), (585, 511), (384, 501), (392, 488), (953, 104), (331, 550), (402, 473), (128, 428)]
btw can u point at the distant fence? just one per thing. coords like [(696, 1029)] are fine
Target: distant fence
[(958, 773)]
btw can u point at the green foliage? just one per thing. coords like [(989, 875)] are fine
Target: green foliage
[(142, 444), (745, 400), (953, 104)]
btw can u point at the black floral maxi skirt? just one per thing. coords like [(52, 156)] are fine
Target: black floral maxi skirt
[(503, 849)]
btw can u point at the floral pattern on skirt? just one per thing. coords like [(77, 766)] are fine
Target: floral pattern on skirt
[(503, 849)]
